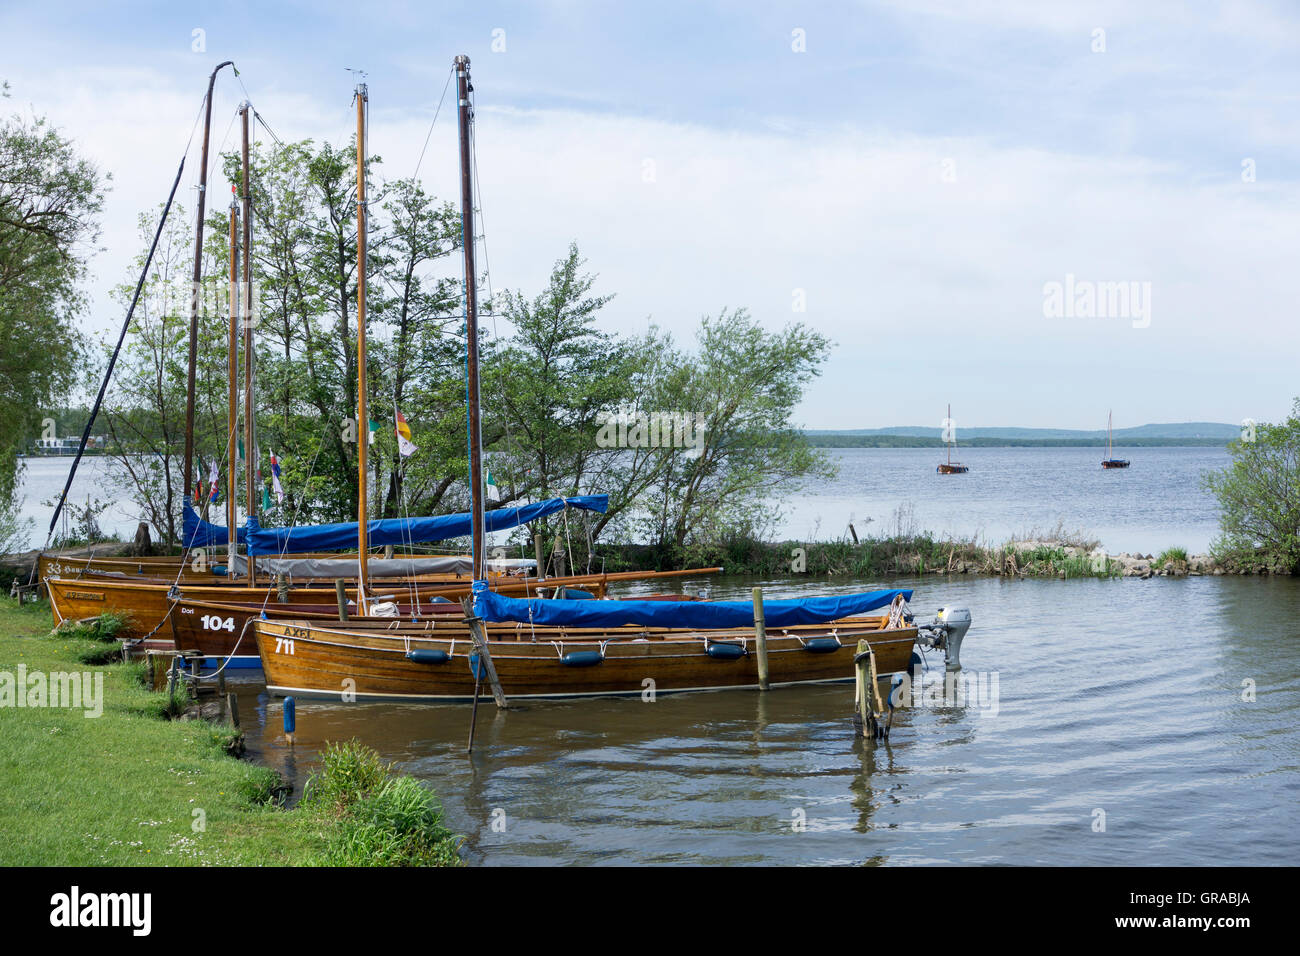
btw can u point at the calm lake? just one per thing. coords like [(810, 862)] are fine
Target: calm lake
[(1119, 704), (1156, 503)]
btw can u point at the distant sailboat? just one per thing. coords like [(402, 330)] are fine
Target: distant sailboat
[(1108, 461), (951, 467)]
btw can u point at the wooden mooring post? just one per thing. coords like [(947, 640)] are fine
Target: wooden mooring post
[(341, 595), (484, 666), (868, 708), (760, 640)]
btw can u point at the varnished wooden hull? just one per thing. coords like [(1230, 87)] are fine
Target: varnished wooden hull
[(54, 565), (218, 629), (304, 659), (952, 469), (146, 605)]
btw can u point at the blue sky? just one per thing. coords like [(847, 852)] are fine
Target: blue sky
[(916, 174)]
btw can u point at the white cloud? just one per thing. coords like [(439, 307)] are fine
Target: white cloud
[(930, 288)]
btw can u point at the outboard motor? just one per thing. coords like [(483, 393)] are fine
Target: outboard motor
[(945, 633)]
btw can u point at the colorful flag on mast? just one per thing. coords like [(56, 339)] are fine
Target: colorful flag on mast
[(213, 475), (405, 446), (275, 478), (493, 492)]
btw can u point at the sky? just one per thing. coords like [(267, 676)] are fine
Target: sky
[(940, 187)]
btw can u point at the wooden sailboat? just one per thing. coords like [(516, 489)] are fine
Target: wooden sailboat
[(419, 663), (220, 630), (146, 606), (951, 467), (437, 659), (1110, 461)]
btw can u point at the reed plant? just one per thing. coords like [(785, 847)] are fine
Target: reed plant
[(378, 818)]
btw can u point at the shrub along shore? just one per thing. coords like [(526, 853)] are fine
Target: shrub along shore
[(922, 554), (93, 773)]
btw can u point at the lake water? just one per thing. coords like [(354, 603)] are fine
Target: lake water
[(43, 480), (1156, 503), (1120, 737)]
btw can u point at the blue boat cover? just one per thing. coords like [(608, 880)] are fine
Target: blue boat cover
[(203, 534), (399, 531), (697, 614)]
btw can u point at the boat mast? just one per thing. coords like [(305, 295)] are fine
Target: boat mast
[(465, 115), (363, 421), (949, 443), (194, 288), (232, 393), (250, 500), (1109, 416)]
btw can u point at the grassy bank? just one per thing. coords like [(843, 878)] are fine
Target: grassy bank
[(129, 787)]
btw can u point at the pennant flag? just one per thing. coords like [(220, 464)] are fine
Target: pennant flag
[(374, 427), (404, 444), (493, 492), (212, 481), (266, 496), (275, 478)]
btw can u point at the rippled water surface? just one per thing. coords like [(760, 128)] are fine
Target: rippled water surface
[(1119, 702), (1155, 503)]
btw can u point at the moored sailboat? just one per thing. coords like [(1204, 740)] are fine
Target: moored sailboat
[(561, 647), (1110, 461), (950, 467)]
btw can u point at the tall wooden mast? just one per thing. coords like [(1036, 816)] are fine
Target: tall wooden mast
[(232, 389), (363, 420), (465, 114), (194, 288), (250, 455)]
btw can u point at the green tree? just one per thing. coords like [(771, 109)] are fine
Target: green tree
[(739, 388), (51, 199), (546, 391), (1259, 498)]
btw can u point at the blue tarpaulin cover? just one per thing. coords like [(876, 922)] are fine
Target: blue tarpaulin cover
[(700, 614), (203, 534), (398, 531)]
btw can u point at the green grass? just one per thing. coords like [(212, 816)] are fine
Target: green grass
[(382, 819), (130, 788), (1172, 559)]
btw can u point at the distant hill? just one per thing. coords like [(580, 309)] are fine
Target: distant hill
[(903, 436)]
